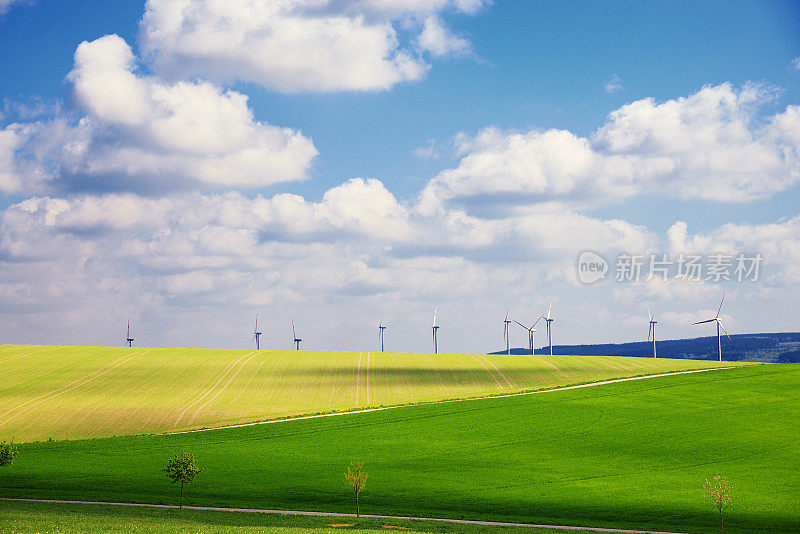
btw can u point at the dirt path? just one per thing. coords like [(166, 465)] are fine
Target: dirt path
[(333, 514), (501, 396)]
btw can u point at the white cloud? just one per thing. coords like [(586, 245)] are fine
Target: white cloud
[(200, 255), (440, 42), (614, 85), (298, 45), (5, 5), (796, 63), (778, 244), (138, 133), (212, 259), (709, 145), (428, 151), (11, 139)]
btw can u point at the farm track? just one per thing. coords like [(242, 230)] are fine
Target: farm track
[(223, 388), (499, 371), (210, 390), (488, 372), (334, 514)]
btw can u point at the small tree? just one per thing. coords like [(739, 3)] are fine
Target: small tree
[(182, 468), (356, 478), (8, 451), (720, 494)]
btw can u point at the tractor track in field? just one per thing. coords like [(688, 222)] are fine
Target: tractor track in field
[(335, 514), (488, 372), (556, 367), (212, 388), (501, 373), (223, 388), (78, 382), (499, 396)]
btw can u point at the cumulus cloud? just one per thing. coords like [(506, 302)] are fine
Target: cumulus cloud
[(204, 252), (299, 45), (710, 145), (778, 243), (135, 132), (796, 63), (440, 42)]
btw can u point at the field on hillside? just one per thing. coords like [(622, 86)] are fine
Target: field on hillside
[(75, 392), (629, 454)]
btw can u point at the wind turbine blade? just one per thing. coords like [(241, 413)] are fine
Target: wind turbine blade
[(548, 310), (720, 304), (522, 325), (706, 321), (723, 329), (649, 315), (434, 316), (537, 320), (294, 334), (649, 331), (509, 309)]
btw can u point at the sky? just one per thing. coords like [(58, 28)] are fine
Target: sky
[(186, 165)]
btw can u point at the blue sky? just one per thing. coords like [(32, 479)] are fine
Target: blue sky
[(437, 136)]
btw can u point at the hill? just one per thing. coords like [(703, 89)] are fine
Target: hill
[(783, 347), (627, 455), (74, 392)]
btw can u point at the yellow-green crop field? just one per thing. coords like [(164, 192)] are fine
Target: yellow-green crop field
[(64, 392)]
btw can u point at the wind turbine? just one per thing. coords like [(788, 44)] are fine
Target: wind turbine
[(257, 334), (435, 330), (549, 329), (652, 330), (381, 329), (297, 340), (719, 325), (129, 339), (506, 322), (530, 330)]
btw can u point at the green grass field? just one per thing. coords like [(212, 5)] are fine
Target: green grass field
[(77, 392), (630, 455)]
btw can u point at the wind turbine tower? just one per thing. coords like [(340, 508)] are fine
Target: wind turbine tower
[(381, 329), (506, 322), (652, 331), (549, 327), (531, 331), (435, 330), (129, 339), (719, 325), (257, 335), (297, 340)]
